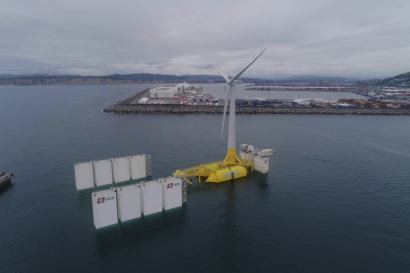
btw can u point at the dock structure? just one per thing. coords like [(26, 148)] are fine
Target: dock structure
[(192, 99), (182, 109)]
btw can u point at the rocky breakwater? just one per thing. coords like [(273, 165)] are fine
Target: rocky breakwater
[(182, 109)]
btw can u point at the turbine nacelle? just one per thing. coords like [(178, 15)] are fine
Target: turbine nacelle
[(236, 82)]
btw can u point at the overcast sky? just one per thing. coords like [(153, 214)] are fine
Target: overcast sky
[(350, 38)]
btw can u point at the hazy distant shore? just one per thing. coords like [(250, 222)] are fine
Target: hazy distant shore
[(147, 78), (79, 81)]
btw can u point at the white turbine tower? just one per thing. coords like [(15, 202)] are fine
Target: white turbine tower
[(231, 157)]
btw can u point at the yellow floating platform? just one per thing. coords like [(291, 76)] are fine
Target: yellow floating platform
[(216, 172), (226, 174)]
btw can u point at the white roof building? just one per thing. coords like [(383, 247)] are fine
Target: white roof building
[(163, 92)]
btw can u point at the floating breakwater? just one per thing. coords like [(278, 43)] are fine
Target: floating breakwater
[(183, 109)]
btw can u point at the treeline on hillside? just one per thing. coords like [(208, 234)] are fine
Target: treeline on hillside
[(402, 79), (110, 79)]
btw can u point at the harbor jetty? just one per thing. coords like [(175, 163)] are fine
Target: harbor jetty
[(184, 109), (187, 99)]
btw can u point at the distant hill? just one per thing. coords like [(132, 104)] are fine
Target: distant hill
[(11, 76), (164, 77), (6, 76), (39, 79), (8, 79), (317, 78), (399, 80)]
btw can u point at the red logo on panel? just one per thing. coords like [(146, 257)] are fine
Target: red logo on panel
[(170, 185), (100, 200)]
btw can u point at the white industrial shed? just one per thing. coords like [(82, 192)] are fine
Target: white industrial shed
[(163, 92)]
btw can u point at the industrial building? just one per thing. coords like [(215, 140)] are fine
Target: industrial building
[(163, 92), (169, 92)]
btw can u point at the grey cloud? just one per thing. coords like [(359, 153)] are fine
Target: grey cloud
[(344, 38)]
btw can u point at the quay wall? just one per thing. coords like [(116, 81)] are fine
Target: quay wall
[(134, 97), (183, 109)]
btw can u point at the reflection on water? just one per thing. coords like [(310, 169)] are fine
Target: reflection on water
[(136, 233), (261, 180), (6, 187)]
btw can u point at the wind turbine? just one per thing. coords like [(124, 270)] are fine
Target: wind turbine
[(231, 157)]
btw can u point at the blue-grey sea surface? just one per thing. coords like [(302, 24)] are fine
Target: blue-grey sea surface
[(336, 198)]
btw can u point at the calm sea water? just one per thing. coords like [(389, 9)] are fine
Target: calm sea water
[(336, 199)]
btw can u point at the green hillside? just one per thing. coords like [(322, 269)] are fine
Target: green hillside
[(399, 80)]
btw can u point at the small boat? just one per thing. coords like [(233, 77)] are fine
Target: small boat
[(5, 178)]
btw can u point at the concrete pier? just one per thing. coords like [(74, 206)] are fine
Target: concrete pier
[(184, 109), (131, 105)]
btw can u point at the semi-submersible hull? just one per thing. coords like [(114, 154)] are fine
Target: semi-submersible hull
[(216, 172), (228, 173), (249, 159)]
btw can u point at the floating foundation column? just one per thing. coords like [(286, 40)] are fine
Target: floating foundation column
[(105, 172), (151, 197), (171, 193), (129, 202), (121, 169), (84, 175), (104, 208)]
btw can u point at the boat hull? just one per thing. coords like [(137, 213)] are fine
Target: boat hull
[(5, 180)]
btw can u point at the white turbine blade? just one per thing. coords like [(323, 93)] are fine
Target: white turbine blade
[(220, 72), (228, 90), (240, 73)]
